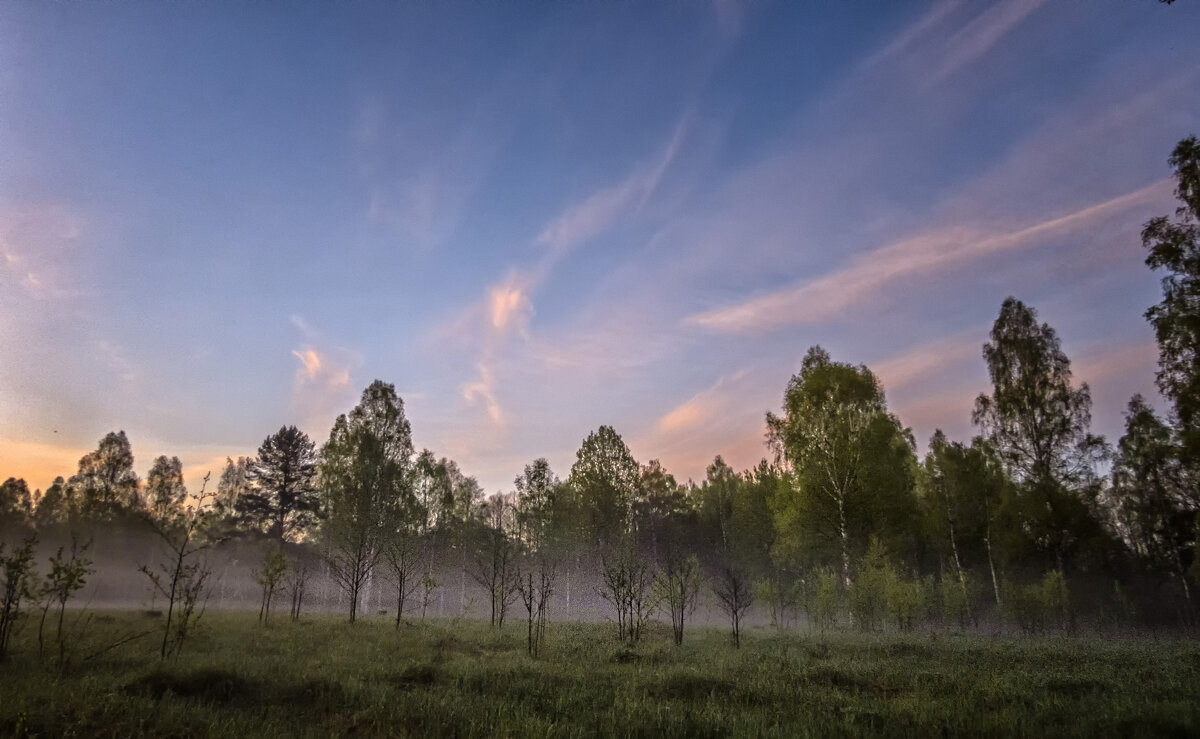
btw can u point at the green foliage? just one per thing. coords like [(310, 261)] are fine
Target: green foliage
[(366, 476), (165, 492), (1025, 606), (1056, 600), (67, 576), (868, 596), (1153, 493), (605, 480), (1036, 605), (277, 494), (752, 524), (908, 601), (1039, 424), (105, 485), (827, 598), (715, 503), (957, 601), (17, 584), (56, 506), (1174, 247), (269, 576), (16, 503), (183, 579), (850, 467), (779, 595)]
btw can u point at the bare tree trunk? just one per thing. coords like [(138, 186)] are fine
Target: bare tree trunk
[(844, 533), (987, 540), (962, 578)]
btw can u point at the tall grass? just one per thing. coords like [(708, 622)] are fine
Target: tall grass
[(323, 677)]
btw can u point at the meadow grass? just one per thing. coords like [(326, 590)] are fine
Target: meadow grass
[(324, 677)]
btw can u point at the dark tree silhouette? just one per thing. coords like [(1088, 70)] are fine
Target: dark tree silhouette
[(1039, 423), (282, 499), (1174, 247)]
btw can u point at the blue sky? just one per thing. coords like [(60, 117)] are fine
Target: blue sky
[(536, 218)]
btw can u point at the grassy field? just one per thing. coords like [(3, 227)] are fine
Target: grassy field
[(324, 677)]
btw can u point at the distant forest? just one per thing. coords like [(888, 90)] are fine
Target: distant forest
[(1035, 524)]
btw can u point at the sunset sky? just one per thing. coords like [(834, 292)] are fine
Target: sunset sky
[(536, 218)]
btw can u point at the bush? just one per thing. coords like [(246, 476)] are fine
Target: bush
[(1056, 599), (869, 591), (906, 600), (827, 599), (1024, 606)]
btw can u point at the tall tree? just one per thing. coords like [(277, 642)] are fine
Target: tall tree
[(717, 495), (282, 498), (605, 478), (56, 504), (1174, 247), (165, 491), (16, 504), (1156, 499), (234, 483), (537, 489), (850, 465), (1040, 424), (105, 483), (752, 525), (662, 513), (964, 489), (365, 479)]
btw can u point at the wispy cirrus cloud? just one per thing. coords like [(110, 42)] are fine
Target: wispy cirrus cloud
[(508, 309), (605, 208), (34, 249), (982, 34), (929, 359), (866, 275), (483, 389), (914, 32)]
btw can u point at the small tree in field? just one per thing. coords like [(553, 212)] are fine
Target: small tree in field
[(428, 585), (271, 574), (735, 596), (402, 554), (295, 581), (183, 579), (677, 585), (18, 569), (627, 583), (495, 561), (66, 577), (536, 585)]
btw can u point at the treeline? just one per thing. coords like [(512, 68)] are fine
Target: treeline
[(1035, 523)]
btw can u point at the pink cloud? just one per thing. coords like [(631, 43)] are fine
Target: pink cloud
[(321, 389), (928, 360), (831, 295)]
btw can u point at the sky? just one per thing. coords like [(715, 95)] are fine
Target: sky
[(533, 218)]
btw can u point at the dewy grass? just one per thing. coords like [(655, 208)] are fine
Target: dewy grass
[(323, 677)]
